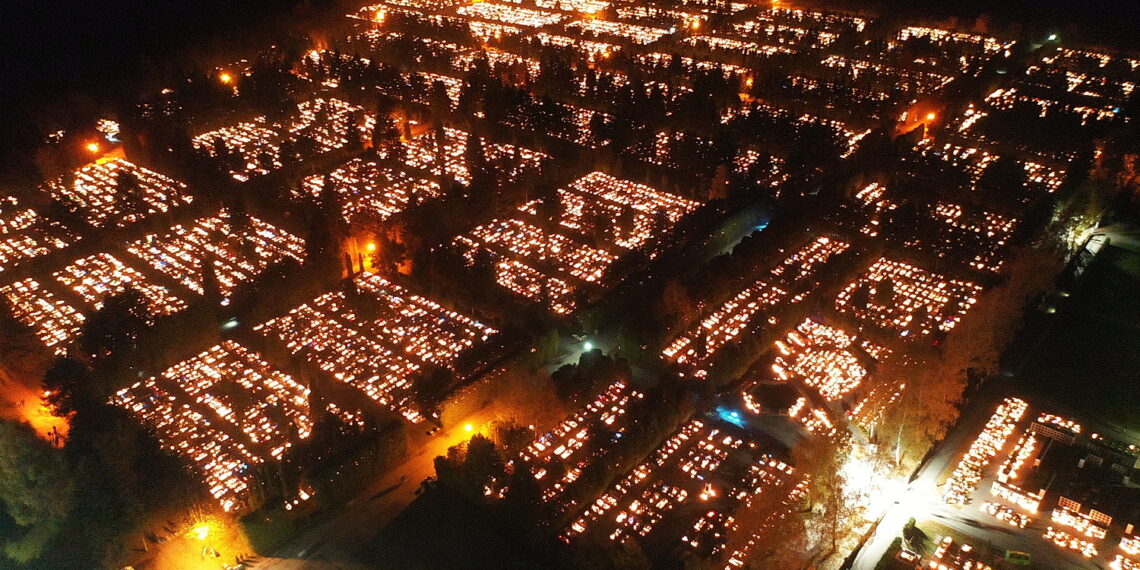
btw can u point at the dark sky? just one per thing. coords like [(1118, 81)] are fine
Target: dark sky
[(64, 55), (82, 40)]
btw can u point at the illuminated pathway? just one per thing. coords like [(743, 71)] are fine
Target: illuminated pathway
[(331, 542), (922, 500)]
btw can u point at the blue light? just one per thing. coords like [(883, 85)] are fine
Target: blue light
[(731, 416)]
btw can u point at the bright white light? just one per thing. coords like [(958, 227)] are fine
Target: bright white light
[(870, 484)]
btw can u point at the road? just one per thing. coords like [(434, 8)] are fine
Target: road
[(23, 403), (1004, 537), (922, 500), (332, 541), (1126, 237), (922, 496)]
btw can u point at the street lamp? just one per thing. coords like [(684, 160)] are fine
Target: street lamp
[(93, 147), (201, 532)]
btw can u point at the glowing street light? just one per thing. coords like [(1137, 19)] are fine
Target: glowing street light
[(225, 78), (931, 116), (93, 147), (371, 246), (708, 492), (201, 532)]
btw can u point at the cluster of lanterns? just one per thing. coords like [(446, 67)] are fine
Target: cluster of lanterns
[(193, 408), (989, 442), (239, 248), (378, 353), (116, 192)]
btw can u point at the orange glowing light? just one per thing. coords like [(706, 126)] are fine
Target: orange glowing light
[(201, 532), (371, 246), (225, 78), (695, 24), (93, 146), (468, 427), (930, 116)]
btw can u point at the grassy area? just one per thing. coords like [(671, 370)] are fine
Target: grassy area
[(268, 528), (934, 532), (1089, 360), (890, 562), (443, 530), (993, 556)]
